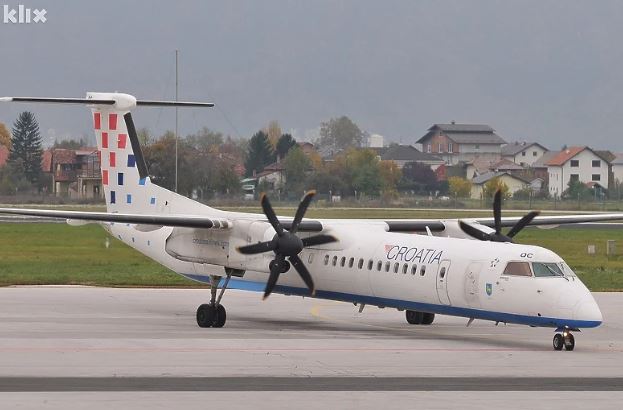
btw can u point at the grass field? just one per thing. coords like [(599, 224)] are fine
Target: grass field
[(47, 253)]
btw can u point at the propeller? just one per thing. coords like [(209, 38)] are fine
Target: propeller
[(286, 244), (498, 236)]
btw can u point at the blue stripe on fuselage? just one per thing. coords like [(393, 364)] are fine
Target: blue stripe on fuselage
[(539, 321)]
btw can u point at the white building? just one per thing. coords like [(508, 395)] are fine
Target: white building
[(523, 153), (579, 164), (376, 141), (617, 169)]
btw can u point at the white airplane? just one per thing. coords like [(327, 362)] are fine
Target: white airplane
[(465, 268)]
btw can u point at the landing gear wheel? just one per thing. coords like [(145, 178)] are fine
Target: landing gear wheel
[(428, 318), (413, 317), (205, 315), (569, 342), (558, 341), (220, 317)]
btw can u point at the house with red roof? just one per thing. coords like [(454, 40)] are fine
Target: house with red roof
[(577, 164)]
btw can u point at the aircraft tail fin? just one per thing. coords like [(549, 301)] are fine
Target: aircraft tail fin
[(125, 177)]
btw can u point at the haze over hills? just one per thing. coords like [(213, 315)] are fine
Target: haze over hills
[(534, 70)]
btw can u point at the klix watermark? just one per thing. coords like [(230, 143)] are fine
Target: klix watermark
[(23, 15)]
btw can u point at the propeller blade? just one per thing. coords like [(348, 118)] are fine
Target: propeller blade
[(522, 223), (473, 231), (275, 270), (300, 212), (255, 248), (497, 211), (270, 214), (303, 272), (318, 240)]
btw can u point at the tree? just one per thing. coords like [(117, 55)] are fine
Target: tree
[(459, 187), (296, 164), (26, 146), (5, 136), (418, 177), (363, 165), (578, 190), (340, 134), (260, 153), (285, 144), (273, 131), (492, 186), (205, 140), (390, 175), (160, 159), (144, 136)]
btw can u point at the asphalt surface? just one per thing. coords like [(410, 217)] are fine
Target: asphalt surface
[(141, 348)]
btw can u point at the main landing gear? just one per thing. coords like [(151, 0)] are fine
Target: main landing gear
[(213, 314), (564, 339), (419, 318)]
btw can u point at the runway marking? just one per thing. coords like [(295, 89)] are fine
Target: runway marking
[(110, 384)]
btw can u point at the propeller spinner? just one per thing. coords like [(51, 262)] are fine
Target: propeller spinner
[(498, 236), (286, 244)]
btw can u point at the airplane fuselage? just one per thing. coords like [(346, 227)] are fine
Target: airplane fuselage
[(368, 265)]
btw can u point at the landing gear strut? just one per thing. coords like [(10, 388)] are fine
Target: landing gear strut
[(419, 318), (213, 314), (564, 339)]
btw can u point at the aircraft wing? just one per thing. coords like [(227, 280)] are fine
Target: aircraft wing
[(553, 220), (185, 221), (437, 225)]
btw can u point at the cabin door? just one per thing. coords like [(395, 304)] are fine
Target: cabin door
[(442, 282)]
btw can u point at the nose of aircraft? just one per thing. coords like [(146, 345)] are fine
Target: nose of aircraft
[(588, 310)]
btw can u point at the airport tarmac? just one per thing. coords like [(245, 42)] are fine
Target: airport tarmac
[(64, 346)]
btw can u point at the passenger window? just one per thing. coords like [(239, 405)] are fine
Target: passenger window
[(422, 270), (343, 261), (310, 258), (370, 264), (360, 263), (351, 261), (413, 269), (396, 267), (546, 269), (379, 266), (518, 269), (326, 259), (387, 264), (334, 261), (405, 268)]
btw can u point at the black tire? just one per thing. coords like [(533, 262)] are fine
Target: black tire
[(205, 315), (413, 317), (569, 342), (558, 342), (220, 317), (428, 318)]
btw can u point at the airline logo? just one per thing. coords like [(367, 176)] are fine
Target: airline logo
[(406, 254)]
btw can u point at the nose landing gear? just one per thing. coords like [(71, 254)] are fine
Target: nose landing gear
[(564, 339)]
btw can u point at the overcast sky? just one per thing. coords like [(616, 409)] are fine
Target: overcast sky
[(550, 71)]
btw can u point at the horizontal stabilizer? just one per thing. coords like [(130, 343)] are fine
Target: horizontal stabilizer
[(91, 101)]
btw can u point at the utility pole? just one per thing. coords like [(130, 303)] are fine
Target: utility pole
[(176, 120)]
